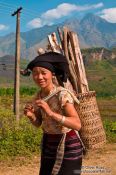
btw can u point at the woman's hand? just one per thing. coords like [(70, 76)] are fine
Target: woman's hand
[(29, 111), (42, 104)]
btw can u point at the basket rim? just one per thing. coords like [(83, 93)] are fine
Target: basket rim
[(87, 94)]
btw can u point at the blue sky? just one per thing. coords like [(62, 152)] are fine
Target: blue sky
[(48, 12)]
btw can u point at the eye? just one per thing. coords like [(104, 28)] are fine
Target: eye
[(44, 73)]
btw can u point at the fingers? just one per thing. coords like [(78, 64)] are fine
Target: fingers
[(40, 102), (26, 111), (29, 107)]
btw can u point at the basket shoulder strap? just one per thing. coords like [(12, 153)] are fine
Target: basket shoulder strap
[(51, 95), (72, 95), (60, 89)]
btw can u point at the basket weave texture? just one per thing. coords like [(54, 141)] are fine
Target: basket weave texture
[(92, 131)]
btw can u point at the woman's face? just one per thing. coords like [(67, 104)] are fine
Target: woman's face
[(42, 76)]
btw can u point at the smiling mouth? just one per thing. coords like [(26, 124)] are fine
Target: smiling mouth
[(41, 82)]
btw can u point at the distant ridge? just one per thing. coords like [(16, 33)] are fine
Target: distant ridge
[(93, 31)]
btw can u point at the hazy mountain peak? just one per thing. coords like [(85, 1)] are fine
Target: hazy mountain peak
[(93, 31), (73, 19), (93, 19)]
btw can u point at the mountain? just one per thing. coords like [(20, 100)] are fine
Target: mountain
[(92, 55), (92, 30), (98, 32), (7, 67)]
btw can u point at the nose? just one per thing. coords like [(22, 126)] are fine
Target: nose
[(40, 76)]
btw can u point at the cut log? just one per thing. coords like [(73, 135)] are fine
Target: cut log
[(71, 67), (83, 84), (60, 36), (54, 43), (55, 47)]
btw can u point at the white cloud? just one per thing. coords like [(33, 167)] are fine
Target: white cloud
[(97, 5), (109, 14), (89, 7), (3, 27), (36, 23), (60, 11)]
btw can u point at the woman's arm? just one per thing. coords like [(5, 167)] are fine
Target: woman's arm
[(71, 117), (37, 119)]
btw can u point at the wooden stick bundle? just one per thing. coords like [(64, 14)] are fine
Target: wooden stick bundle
[(69, 46), (83, 84), (55, 47)]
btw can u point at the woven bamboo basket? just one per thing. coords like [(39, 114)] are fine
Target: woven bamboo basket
[(92, 132)]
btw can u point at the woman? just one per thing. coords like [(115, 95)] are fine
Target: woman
[(61, 146)]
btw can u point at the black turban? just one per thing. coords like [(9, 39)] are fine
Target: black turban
[(55, 62)]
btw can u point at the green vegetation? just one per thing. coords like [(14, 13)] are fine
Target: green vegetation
[(101, 76), (110, 128), (107, 108), (24, 139), (23, 91), (17, 140)]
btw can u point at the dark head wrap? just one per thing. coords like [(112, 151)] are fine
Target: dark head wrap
[(55, 62)]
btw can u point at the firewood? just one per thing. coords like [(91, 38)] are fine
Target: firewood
[(83, 84), (60, 37), (54, 43), (71, 68)]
